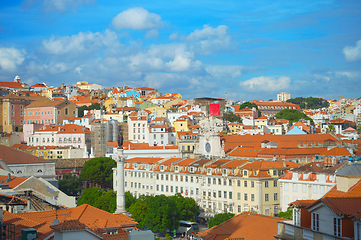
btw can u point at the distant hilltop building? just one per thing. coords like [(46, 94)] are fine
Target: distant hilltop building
[(283, 97)]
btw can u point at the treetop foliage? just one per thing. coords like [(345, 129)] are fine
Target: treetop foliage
[(91, 107), (288, 214), (292, 115), (219, 218), (250, 106), (231, 117), (312, 102), (98, 170), (71, 185)]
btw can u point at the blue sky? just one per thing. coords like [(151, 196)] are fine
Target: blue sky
[(247, 49)]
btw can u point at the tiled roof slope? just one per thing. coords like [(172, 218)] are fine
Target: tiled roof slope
[(247, 226), (13, 156), (15, 181), (86, 214), (354, 191)]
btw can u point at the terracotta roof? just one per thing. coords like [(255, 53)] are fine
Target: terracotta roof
[(62, 129), (142, 160), (271, 165), (336, 151), (11, 84), (112, 144), (244, 226), (15, 181), (302, 203), (13, 156), (69, 225), (345, 206)]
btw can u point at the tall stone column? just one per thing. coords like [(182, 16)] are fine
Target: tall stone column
[(120, 158)]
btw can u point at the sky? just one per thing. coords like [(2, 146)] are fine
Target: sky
[(242, 50)]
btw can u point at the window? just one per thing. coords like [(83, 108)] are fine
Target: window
[(304, 188), (275, 183), (225, 182), (219, 194), (230, 195), (230, 183), (157, 187), (296, 217), (275, 196), (252, 197), (245, 197), (214, 193), (245, 183), (239, 208), (238, 183), (266, 184), (266, 197), (252, 184), (315, 221), (286, 186), (219, 181), (209, 180), (295, 187), (238, 196), (337, 227)]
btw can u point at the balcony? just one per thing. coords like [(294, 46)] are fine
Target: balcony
[(288, 231)]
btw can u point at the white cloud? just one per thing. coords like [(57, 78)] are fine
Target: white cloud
[(180, 63), (11, 58), (57, 5), (151, 34), (173, 36), (224, 71), (81, 42), (266, 83), (353, 54), (137, 18), (210, 39)]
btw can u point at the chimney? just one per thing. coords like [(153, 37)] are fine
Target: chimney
[(9, 178)]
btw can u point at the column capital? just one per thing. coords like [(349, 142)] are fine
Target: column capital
[(119, 155)]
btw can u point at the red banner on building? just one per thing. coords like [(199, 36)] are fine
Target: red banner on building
[(214, 109)]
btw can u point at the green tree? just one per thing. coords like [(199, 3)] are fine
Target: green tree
[(90, 196), (70, 185), (84, 107), (99, 170), (161, 212), (287, 214), (250, 106), (99, 198), (231, 117), (219, 218), (187, 207), (292, 115), (140, 209), (107, 201), (312, 103), (129, 200), (330, 128)]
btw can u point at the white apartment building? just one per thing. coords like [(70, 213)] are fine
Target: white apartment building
[(138, 130), (307, 183), (61, 135), (217, 185), (283, 97)]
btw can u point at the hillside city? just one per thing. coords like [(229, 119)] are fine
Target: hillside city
[(84, 161)]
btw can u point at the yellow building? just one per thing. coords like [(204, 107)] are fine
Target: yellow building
[(234, 128), (159, 111), (182, 123), (258, 189)]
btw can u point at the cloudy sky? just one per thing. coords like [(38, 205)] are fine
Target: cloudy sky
[(247, 49)]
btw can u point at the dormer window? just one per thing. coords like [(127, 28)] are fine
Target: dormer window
[(245, 172), (191, 169), (135, 165), (224, 171), (162, 167), (176, 168)]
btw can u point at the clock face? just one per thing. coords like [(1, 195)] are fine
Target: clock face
[(208, 147)]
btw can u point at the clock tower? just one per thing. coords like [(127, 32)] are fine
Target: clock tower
[(209, 139)]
